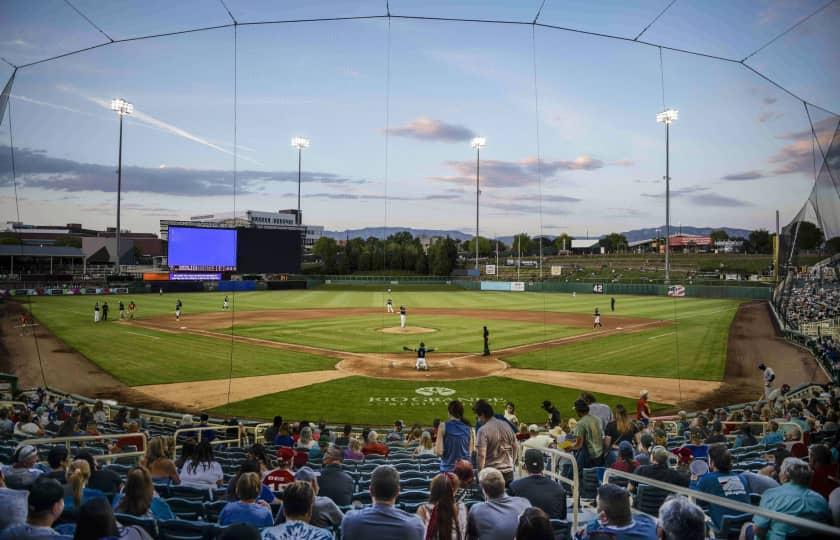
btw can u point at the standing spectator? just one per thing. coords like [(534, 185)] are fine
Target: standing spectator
[(554, 419), (247, 509), (57, 458), (534, 525), (22, 473), (768, 376), (201, 469), (642, 408), (46, 503), (139, 497), (159, 462), (455, 438), (589, 440), (334, 482), (722, 482), (510, 413), (680, 519), (496, 444), (382, 521), (344, 439), (273, 430), (373, 446), (793, 498), (620, 429), (14, 505), (540, 490), (396, 434), (824, 477), (598, 410), (659, 470), (443, 517), (496, 518), (277, 479), (616, 519), (96, 521), (104, 480), (626, 460)]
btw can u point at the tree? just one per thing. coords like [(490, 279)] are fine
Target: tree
[(719, 235), (521, 244), (563, 242), (442, 256), (614, 242), (326, 248), (833, 245), (486, 247), (809, 236), (759, 242)]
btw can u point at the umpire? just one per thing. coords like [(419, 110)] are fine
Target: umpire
[(486, 342)]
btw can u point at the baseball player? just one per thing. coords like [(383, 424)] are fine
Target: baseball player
[(597, 322), (389, 306), (131, 307), (121, 308), (421, 351), (96, 312), (225, 304), (402, 316), (486, 342), (769, 377), (612, 303), (178, 306)]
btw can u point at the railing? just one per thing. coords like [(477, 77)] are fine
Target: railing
[(257, 430), (85, 438), (200, 430), (739, 507), (12, 404), (556, 459)]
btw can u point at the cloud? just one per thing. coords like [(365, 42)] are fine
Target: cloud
[(496, 173), (770, 100), (746, 175), (533, 204), (766, 116), (713, 199), (798, 155), (377, 196), (429, 129), (678, 192), (36, 169)]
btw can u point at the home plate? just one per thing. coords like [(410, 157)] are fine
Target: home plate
[(183, 328), (619, 328)]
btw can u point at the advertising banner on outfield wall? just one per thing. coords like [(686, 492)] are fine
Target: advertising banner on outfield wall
[(508, 286), (676, 290), (490, 269), (556, 270), (517, 286)]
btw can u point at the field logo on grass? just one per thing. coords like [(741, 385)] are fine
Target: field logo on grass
[(435, 391)]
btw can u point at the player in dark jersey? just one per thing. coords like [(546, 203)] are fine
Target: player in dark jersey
[(403, 314), (178, 306), (486, 342), (612, 303), (421, 351)]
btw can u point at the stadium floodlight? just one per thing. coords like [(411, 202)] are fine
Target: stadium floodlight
[(667, 117), (300, 143), (478, 143), (122, 108)]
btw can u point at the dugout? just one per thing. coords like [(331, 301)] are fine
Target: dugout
[(42, 260)]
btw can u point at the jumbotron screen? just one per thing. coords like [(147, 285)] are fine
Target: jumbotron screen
[(268, 251), (197, 249)]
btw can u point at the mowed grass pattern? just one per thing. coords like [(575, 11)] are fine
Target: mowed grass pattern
[(362, 334), (360, 400)]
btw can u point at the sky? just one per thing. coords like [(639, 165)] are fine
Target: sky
[(391, 106)]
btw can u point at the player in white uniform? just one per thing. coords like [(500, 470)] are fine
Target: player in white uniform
[(769, 377), (402, 316), (597, 321), (389, 306), (225, 304), (420, 363), (178, 306)]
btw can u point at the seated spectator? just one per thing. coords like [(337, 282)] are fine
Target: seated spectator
[(382, 520), (298, 499), (27, 426), (187, 450), (824, 477), (372, 446), (425, 446), (273, 430), (540, 490), (14, 505), (396, 434), (22, 473), (135, 440), (616, 519), (443, 516), (257, 453), (246, 467), (659, 470), (645, 447), (498, 516), (96, 522), (344, 439), (7, 427), (76, 491), (798, 418), (793, 498), (99, 414), (758, 483), (745, 436), (46, 503), (70, 427), (247, 509), (325, 513), (335, 482), (698, 449), (626, 461), (834, 506), (721, 481), (534, 524), (57, 459), (682, 423), (773, 435), (537, 440), (282, 475), (139, 497), (201, 470), (106, 481), (305, 441), (680, 519), (158, 460), (717, 436), (284, 436), (467, 486), (621, 428), (353, 451)]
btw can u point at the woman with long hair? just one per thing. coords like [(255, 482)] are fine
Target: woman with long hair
[(621, 429), (305, 441), (425, 448), (257, 453), (76, 491), (534, 525), (284, 436), (202, 469), (444, 518), (99, 414), (96, 521), (138, 497), (158, 460), (187, 450), (455, 439)]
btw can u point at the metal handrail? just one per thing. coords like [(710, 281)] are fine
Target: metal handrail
[(201, 429), (554, 473), (257, 429), (739, 507), (84, 438)]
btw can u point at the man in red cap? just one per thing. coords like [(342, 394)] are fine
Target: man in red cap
[(282, 475)]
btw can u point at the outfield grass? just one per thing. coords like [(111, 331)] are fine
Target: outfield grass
[(362, 334), (361, 400)]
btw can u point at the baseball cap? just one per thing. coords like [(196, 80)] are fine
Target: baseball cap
[(762, 366), (533, 460), (643, 393), (285, 453), (400, 422), (25, 452), (306, 474), (581, 405), (698, 467), (533, 427), (624, 445)]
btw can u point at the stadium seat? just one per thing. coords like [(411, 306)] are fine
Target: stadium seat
[(730, 525), (190, 492), (188, 509), (179, 529), (562, 529), (589, 483), (149, 524), (649, 499), (213, 509), (362, 496), (414, 483), (413, 496)]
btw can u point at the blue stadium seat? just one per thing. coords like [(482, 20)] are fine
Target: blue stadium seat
[(149, 524), (413, 496), (362, 496), (213, 509), (190, 492), (414, 483), (180, 529), (188, 509), (649, 499), (730, 525)]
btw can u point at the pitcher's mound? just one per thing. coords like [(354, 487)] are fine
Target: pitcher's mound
[(407, 330)]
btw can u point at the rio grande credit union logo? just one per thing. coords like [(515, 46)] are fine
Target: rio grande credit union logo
[(435, 391)]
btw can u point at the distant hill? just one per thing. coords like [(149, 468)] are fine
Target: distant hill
[(632, 236)]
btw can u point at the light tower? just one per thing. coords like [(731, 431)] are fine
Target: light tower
[(122, 108), (478, 143), (666, 117), (300, 143)]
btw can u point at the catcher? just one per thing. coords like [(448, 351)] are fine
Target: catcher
[(421, 356)]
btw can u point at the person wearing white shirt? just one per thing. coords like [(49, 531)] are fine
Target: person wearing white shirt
[(769, 377), (201, 470)]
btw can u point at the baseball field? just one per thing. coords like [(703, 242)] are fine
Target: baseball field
[(336, 351)]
